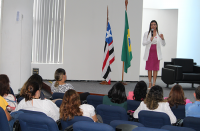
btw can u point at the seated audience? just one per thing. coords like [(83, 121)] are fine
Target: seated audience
[(116, 96), (154, 102), (4, 92), (4, 104), (177, 97), (139, 93), (193, 109), (59, 85), (33, 103), (71, 106), (34, 78)]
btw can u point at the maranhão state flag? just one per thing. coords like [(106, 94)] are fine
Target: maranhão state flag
[(109, 55)]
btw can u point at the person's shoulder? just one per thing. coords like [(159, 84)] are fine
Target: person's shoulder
[(86, 106), (105, 97), (164, 103)]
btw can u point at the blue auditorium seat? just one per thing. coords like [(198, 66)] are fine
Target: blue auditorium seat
[(153, 119), (67, 123), (37, 122), (94, 100), (192, 122), (115, 123), (4, 126), (110, 113), (132, 104), (57, 95), (91, 126), (176, 128), (58, 103)]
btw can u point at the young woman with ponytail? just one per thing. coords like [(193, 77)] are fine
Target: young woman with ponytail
[(59, 85), (33, 103)]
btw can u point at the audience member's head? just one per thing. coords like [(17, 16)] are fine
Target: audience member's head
[(60, 75), (117, 93), (140, 91), (197, 93), (70, 105), (176, 96), (154, 96), (4, 85), (34, 78), (32, 91)]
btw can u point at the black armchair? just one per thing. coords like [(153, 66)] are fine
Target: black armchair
[(180, 70)]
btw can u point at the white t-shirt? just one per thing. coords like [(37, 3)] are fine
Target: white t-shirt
[(88, 110), (162, 107), (45, 106)]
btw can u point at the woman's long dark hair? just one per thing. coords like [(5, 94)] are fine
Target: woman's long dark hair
[(34, 78), (5, 86), (150, 26), (31, 89), (117, 93), (154, 96), (140, 91)]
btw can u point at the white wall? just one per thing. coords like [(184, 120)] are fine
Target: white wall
[(188, 25), (16, 41), (85, 29), (167, 20)]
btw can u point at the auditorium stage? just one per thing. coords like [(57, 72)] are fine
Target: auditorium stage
[(95, 87)]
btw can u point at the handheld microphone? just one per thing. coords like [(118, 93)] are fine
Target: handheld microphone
[(151, 32)]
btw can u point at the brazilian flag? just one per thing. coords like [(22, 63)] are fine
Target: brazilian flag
[(126, 47)]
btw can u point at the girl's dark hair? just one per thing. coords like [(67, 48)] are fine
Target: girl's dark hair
[(31, 89), (150, 26), (140, 91), (59, 75), (154, 96), (4, 86), (117, 93), (34, 78), (70, 105), (176, 96)]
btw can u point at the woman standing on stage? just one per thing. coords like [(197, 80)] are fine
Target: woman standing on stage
[(153, 39)]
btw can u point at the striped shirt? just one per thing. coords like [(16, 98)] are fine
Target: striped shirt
[(61, 88)]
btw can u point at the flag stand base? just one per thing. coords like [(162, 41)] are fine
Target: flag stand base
[(104, 83), (123, 83)]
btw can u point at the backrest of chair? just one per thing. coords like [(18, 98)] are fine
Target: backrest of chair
[(91, 126), (33, 112), (110, 113), (153, 119), (94, 100), (57, 95), (67, 123), (58, 103), (187, 64), (19, 99), (37, 122), (132, 104), (148, 129), (4, 126), (179, 111), (11, 91), (192, 122), (176, 128)]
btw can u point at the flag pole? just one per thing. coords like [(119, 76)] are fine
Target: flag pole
[(105, 82), (126, 3)]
